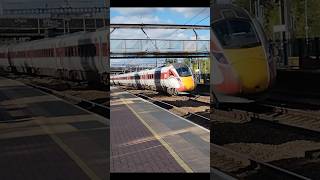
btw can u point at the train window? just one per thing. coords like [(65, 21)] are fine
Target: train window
[(70, 52), (183, 71), (93, 50), (236, 33), (171, 73)]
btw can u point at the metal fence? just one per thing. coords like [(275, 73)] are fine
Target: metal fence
[(305, 52)]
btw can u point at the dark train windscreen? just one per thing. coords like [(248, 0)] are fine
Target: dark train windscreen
[(236, 33), (182, 70)]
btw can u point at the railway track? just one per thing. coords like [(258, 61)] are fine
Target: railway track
[(303, 99), (240, 166), (304, 121), (284, 126), (193, 117)]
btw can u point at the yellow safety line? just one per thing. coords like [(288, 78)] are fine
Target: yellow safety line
[(71, 154), (165, 144)]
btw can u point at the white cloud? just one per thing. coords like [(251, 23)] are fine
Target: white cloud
[(139, 19), (148, 16), (136, 11)]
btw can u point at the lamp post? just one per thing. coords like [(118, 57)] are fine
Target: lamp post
[(283, 17), (306, 21)]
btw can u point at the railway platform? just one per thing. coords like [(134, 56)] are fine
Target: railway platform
[(147, 138), (45, 137)]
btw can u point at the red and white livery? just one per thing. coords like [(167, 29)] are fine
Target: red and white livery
[(174, 78), (81, 56)]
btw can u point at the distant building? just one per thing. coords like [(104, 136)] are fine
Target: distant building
[(11, 7), (22, 20), (34, 4)]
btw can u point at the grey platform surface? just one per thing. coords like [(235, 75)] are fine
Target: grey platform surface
[(184, 139), (44, 137)]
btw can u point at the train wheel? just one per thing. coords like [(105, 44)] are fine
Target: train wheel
[(172, 91), (175, 92)]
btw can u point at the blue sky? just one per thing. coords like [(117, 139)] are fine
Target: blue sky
[(171, 15), (190, 16)]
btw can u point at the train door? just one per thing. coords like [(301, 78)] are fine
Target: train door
[(59, 58), (157, 79), (29, 58), (10, 63), (100, 67), (101, 59)]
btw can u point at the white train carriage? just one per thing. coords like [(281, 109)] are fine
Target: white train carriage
[(172, 79), (80, 56), (36, 57), (4, 63), (83, 55)]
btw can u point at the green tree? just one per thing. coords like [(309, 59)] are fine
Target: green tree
[(297, 13)]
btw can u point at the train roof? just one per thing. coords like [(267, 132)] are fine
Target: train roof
[(223, 11), (71, 35), (175, 65)]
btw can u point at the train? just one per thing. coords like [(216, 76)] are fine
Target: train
[(174, 79), (243, 67), (81, 56)]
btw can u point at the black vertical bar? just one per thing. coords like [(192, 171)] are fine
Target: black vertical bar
[(284, 41), (317, 53), (300, 48), (307, 42)]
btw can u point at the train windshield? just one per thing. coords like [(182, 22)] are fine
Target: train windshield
[(182, 70), (236, 33)]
